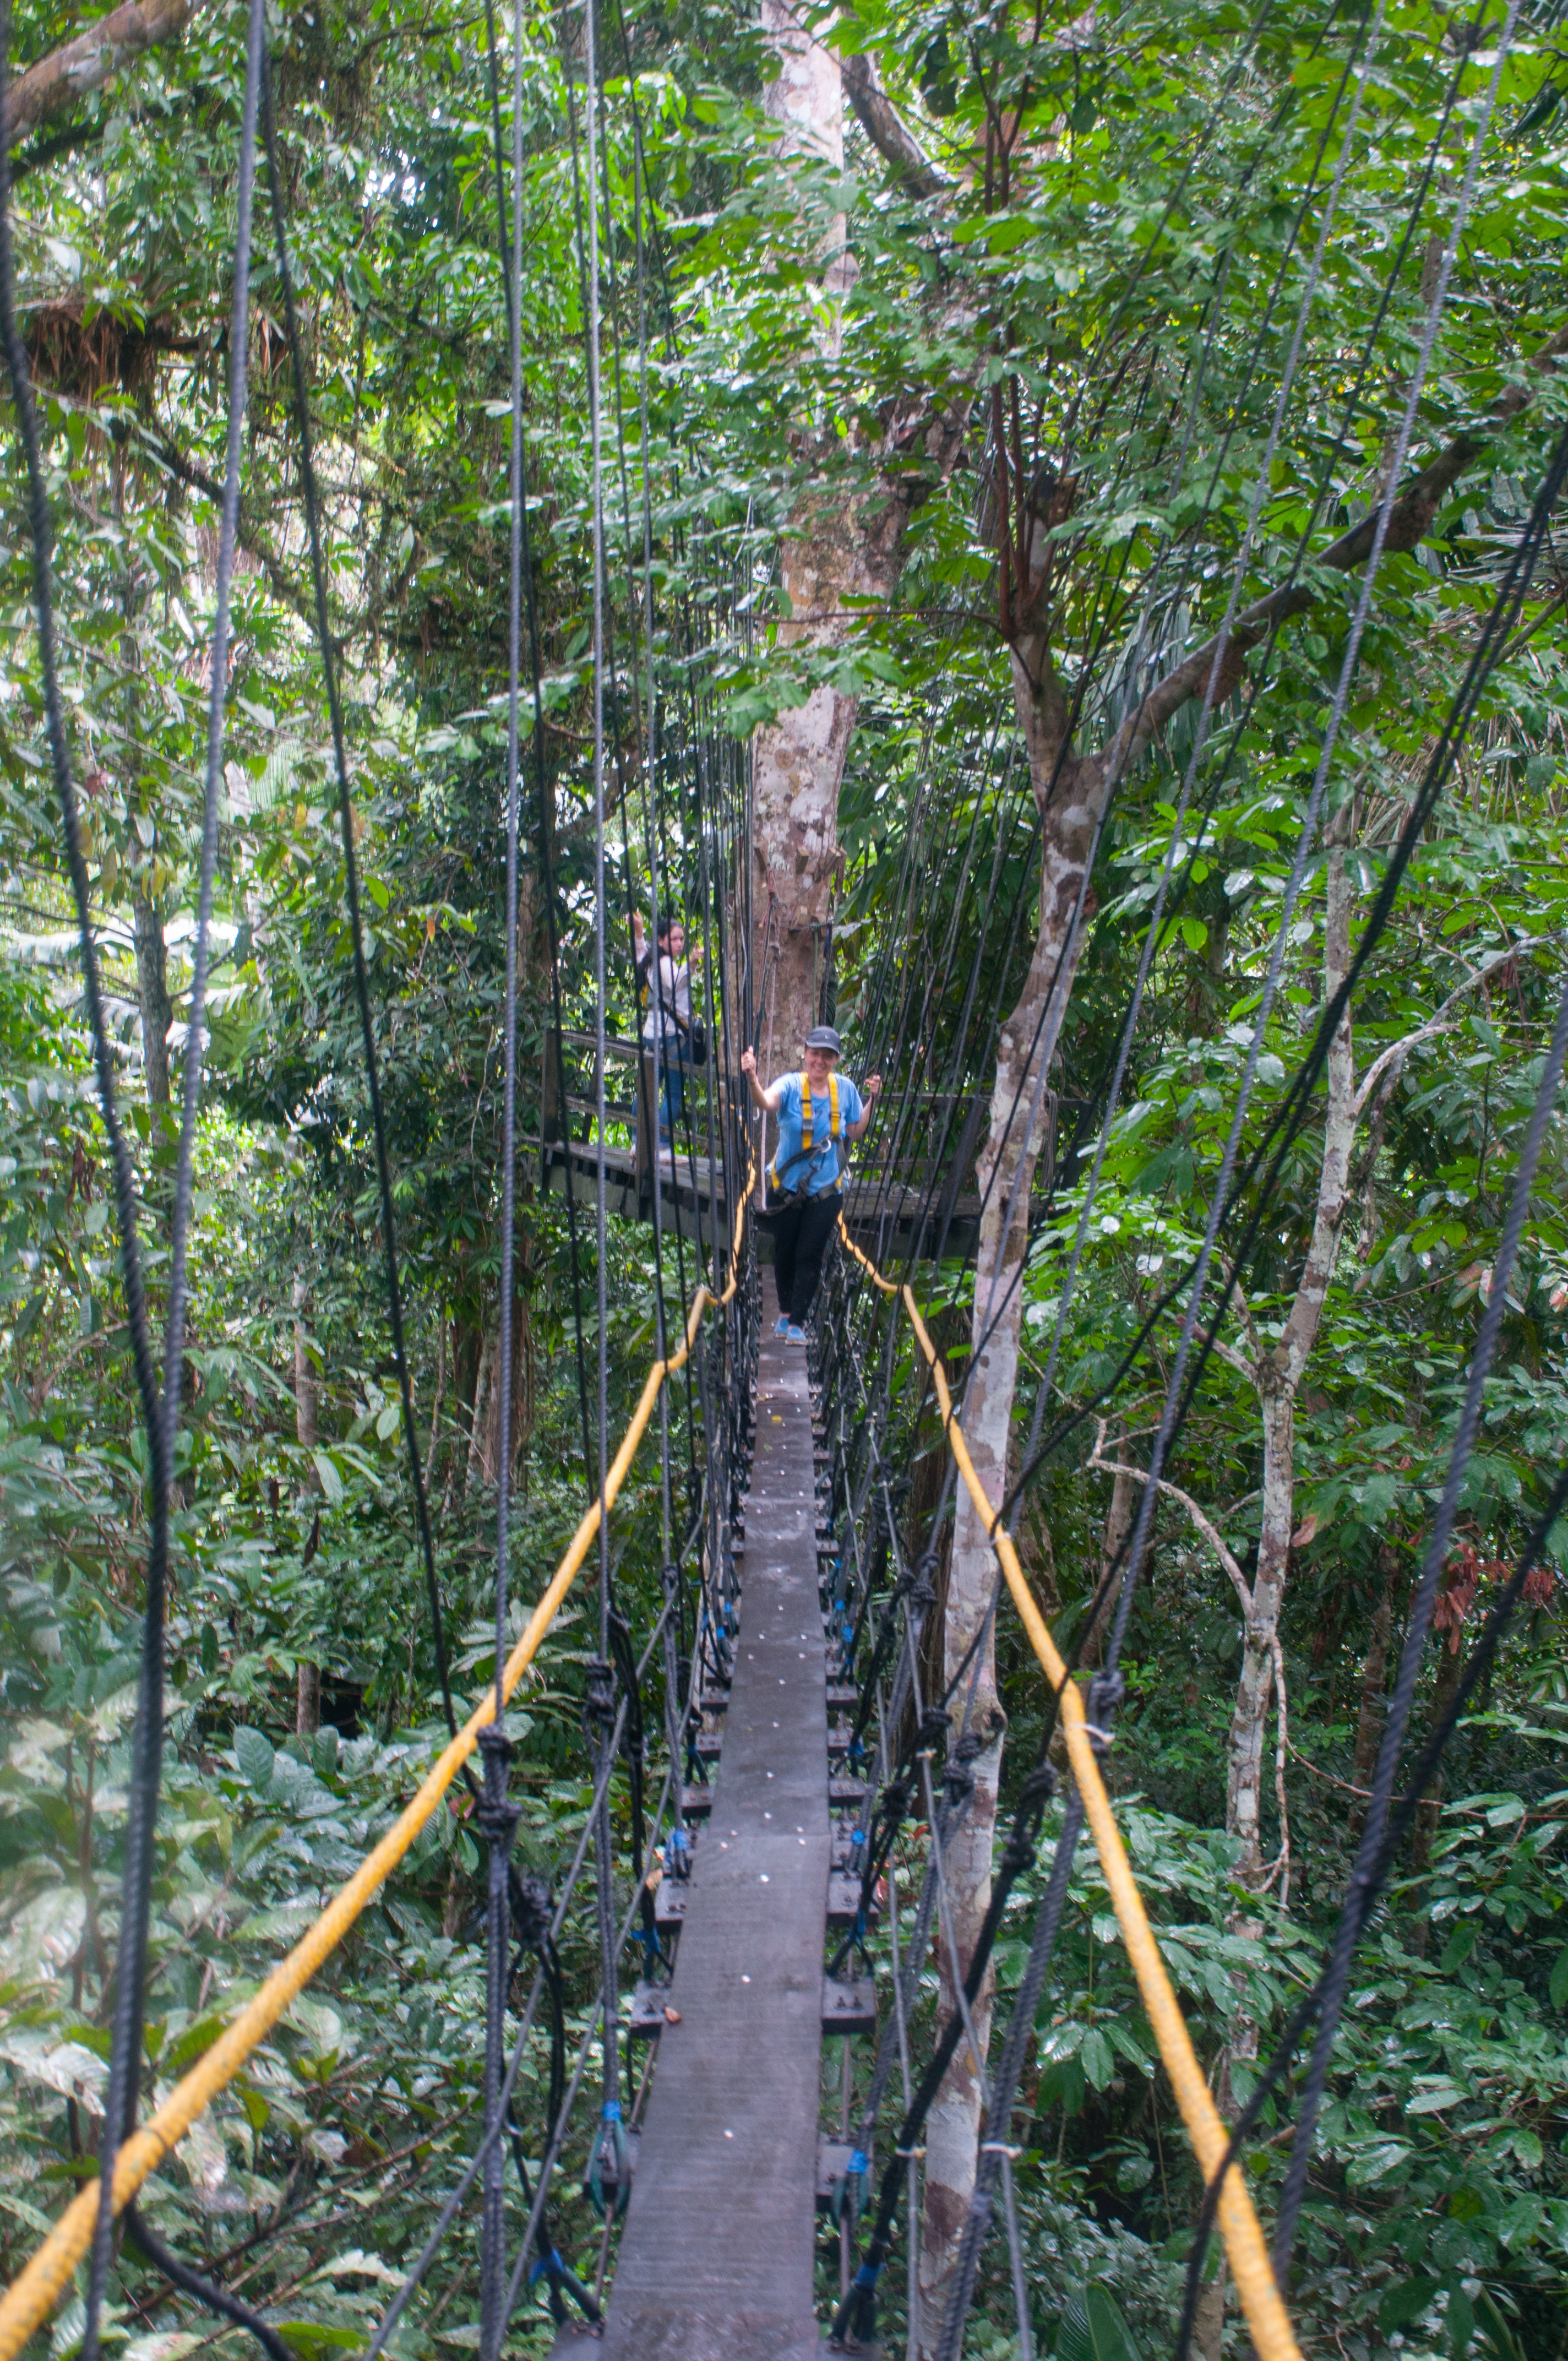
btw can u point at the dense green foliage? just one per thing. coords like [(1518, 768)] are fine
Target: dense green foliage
[(1099, 276)]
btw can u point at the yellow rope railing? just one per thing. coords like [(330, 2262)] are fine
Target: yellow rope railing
[(1239, 2225), (33, 2295)]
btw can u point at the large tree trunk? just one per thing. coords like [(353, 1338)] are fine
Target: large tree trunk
[(844, 551), (1071, 791)]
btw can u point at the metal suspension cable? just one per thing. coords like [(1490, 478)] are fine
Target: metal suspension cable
[(1165, 1435), (497, 1815), (1367, 49), (159, 1404), (351, 887), (1244, 2238), (33, 2294)]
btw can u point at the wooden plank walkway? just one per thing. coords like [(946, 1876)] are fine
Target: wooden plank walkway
[(716, 2256)]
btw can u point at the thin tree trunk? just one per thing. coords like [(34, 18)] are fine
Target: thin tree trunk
[(1278, 1375), (1125, 1491), (479, 1462), (1374, 1686), (1071, 796), (1209, 2320), (152, 992), (307, 1390), (308, 1676), (308, 1699)]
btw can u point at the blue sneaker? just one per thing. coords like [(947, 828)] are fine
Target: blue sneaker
[(780, 1326), (797, 1335)]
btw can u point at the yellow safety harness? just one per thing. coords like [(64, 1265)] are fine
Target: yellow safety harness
[(808, 1148)]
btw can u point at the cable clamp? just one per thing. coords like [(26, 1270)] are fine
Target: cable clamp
[(1000, 2147), (1101, 1739), (907, 2152)]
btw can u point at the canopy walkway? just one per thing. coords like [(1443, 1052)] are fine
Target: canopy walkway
[(776, 1762), (716, 2256)]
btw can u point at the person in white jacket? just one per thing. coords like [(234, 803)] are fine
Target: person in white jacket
[(665, 985)]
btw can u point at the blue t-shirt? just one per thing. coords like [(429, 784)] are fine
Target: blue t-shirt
[(815, 1160)]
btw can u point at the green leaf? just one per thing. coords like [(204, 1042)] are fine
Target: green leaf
[(313, 2341), (1092, 2329), (324, 1750), (1559, 1978), (1400, 2305), (254, 1758), (1458, 1947), (1097, 2058), (331, 1481)]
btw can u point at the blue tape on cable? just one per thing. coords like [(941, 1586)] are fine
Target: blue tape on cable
[(860, 2162), (610, 2111)]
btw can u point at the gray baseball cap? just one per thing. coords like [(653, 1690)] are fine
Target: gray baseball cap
[(822, 1036)]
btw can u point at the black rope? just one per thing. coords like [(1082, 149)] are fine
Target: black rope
[(856, 2315), (351, 890), (206, 2291), (160, 1409)]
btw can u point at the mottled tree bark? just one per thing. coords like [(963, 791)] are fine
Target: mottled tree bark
[(842, 552), (1278, 1375), (306, 1388), (62, 80), (1071, 791), (1374, 1684), (152, 992)]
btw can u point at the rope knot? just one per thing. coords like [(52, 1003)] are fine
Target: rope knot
[(497, 1815), (924, 1593), (532, 1910), (933, 1729), (599, 1699), (1106, 1692)]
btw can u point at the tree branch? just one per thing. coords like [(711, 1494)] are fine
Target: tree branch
[(58, 81), (168, 453), (1385, 1070), (887, 131), (1407, 524), (1141, 1476)]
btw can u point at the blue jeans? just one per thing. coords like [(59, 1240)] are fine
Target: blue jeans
[(672, 1059)]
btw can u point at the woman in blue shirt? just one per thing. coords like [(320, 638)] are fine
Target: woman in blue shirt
[(807, 1164)]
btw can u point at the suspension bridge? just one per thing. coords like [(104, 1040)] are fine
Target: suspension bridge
[(778, 1777)]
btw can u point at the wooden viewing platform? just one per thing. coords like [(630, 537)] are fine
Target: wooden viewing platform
[(885, 1217), (892, 1214)]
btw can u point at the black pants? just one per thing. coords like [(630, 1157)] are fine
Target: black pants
[(801, 1234)]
